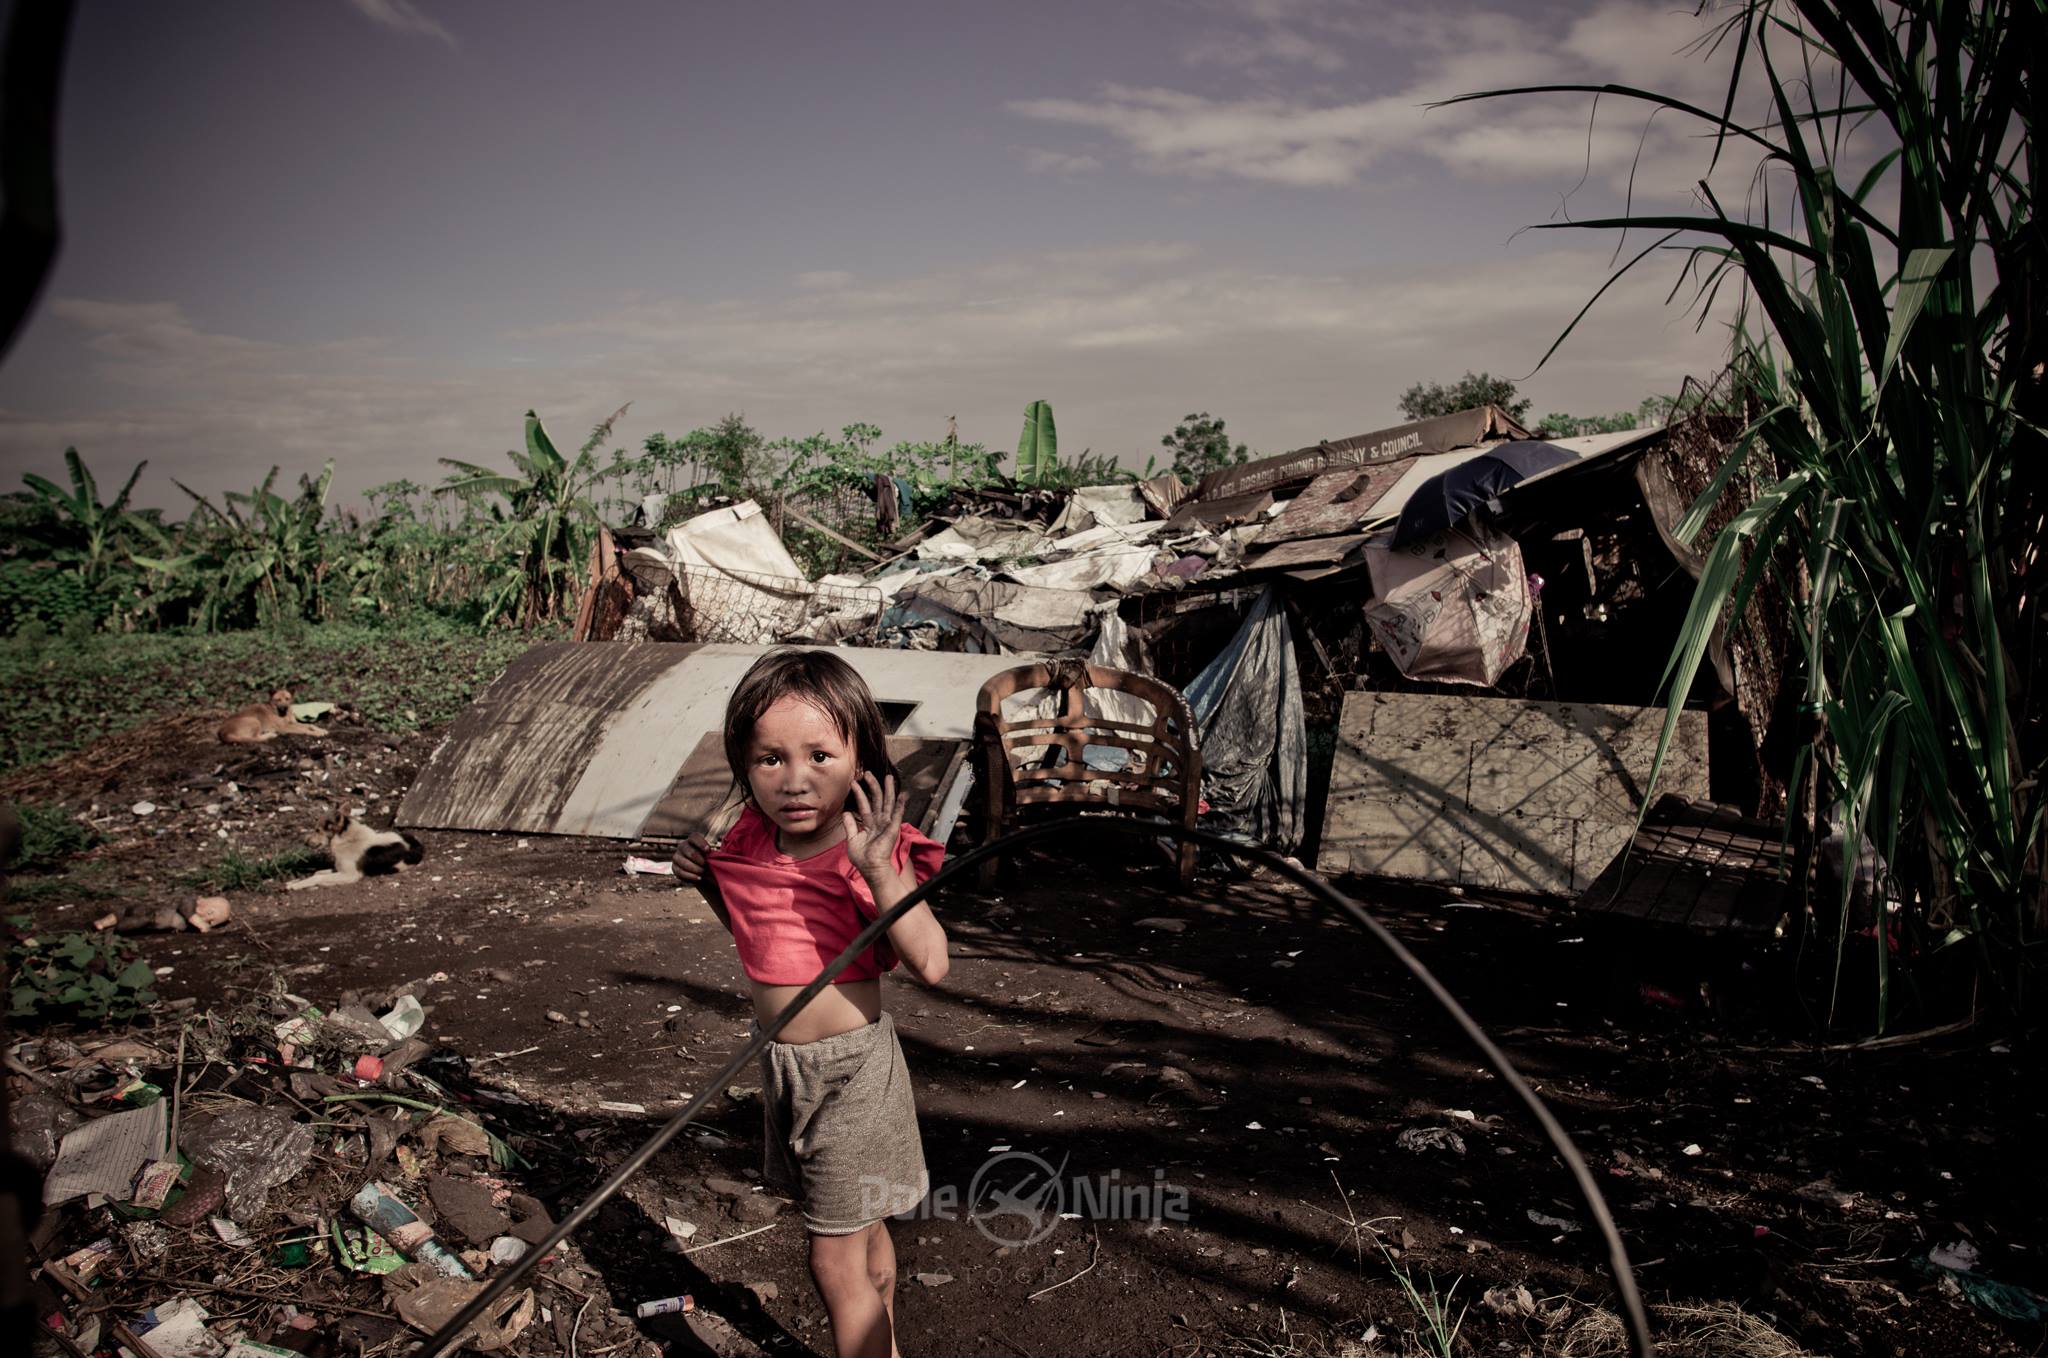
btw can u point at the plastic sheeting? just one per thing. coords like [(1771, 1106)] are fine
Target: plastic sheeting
[(736, 538), (1247, 704)]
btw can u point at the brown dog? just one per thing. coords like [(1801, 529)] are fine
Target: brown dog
[(266, 721), (358, 852)]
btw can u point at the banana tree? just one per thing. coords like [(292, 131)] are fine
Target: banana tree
[(265, 549), (88, 528), (1038, 447), (541, 531)]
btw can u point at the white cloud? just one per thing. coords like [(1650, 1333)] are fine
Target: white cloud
[(824, 280), (1041, 161), (1254, 51), (405, 16), (1307, 140), (1122, 340)]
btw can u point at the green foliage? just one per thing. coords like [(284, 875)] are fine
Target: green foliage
[(85, 530), (233, 871), (545, 526), (76, 975), (1427, 400), (85, 882), (1200, 446), (1898, 441), (61, 696), (1038, 447), (49, 835), (47, 594)]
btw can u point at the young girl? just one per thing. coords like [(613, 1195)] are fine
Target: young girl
[(820, 849)]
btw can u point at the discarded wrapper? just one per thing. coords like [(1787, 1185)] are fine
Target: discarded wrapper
[(85, 1264), (249, 1348), (667, 1306), (154, 1183), (364, 1250), (379, 1209)]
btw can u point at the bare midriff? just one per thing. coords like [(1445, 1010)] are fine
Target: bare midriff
[(836, 1009)]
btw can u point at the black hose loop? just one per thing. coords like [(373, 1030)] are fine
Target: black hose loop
[(1637, 1320)]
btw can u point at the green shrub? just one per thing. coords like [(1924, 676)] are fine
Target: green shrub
[(75, 975), (50, 834)]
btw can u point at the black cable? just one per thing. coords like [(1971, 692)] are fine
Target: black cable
[(1638, 1321)]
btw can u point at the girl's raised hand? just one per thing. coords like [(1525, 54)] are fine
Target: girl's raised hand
[(874, 820)]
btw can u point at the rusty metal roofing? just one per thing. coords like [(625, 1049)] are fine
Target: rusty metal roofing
[(589, 738), (1437, 435)]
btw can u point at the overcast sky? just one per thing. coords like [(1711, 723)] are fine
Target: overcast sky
[(379, 230)]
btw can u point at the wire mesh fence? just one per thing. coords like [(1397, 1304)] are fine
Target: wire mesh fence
[(748, 608)]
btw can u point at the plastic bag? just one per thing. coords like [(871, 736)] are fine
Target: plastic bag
[(257, 1148)]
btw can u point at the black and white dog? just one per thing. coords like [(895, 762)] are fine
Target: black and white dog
[(359, 852)]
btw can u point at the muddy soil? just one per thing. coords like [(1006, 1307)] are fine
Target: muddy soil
[(1218, 1079)]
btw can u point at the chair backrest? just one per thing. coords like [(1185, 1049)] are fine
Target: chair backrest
[(1147, 765)]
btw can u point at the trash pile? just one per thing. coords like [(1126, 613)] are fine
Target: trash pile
[(287, 1178)]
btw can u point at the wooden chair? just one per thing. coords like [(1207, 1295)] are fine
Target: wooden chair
[(1031, 765)]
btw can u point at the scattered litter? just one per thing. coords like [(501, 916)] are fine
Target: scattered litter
[(231, 1234), (406, 1018), (143, 808), (1560, 1224), (1960, 1255), (177, 1329), (1692, 1149), (1516, 1303), (666, 1306), (104, 1155), (257, 1148), (648, 867), (433, 1304), (377, 1207), (1419, 1139), (618, 1106), (934, 1279)]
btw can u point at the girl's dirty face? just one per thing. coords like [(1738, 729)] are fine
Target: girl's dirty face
[(800, 767)]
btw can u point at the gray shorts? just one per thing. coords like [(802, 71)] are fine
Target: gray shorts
[(841, 1128)]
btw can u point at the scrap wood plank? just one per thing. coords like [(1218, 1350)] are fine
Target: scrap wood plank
[(1697, 866)]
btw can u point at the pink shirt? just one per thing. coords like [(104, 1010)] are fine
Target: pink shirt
[(792, 916)]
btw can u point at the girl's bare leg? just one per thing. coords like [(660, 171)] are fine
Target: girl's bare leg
[(882, 1273), (861, 1324)]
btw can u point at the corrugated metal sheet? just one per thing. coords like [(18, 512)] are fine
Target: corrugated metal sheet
[(588, 739), (1384, 445), (511, 761)]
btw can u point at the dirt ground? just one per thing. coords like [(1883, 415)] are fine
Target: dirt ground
[(1249, 1064)]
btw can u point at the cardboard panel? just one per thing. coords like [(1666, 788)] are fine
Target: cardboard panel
[(1495, 792)]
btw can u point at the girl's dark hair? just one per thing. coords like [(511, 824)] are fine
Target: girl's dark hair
[(818, 677)]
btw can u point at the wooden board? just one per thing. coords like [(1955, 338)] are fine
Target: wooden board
[(1495, 792)]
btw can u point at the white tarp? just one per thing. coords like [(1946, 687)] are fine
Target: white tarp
[(973, 538), (1099, 507), (735, 538), (1454, 606), (1105, 567)]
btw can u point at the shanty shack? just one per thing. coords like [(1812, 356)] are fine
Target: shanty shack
[(1432, 651)]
